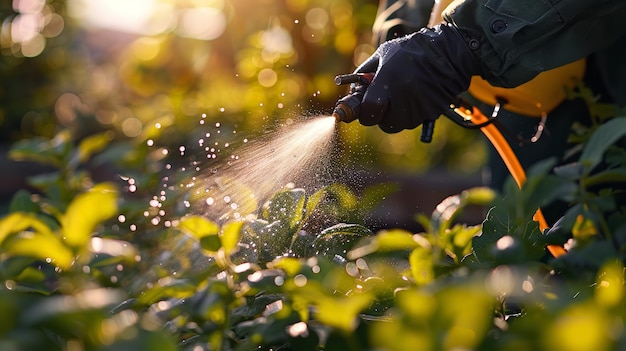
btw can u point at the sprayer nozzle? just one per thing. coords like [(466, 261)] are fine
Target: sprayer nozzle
[(343, 113)]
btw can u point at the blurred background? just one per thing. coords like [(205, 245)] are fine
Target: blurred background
[(125, 67)]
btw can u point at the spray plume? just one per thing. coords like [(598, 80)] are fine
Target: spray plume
[(295, 154)]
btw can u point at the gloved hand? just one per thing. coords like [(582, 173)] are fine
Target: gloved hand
[(416, 78)]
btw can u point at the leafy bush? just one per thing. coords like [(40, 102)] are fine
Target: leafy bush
[(75, 277)]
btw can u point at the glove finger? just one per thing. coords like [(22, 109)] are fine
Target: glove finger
[(370, 65), (374, 105)]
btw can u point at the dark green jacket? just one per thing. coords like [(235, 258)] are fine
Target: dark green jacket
[(517, 39)]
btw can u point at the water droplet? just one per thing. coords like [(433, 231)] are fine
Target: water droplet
[(222, 109), (121, 218), (150, 142), (300, 280), (218, 124), (210, 201)]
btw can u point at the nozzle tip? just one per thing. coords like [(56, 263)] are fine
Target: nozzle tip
[(336, 116), (341, 113)]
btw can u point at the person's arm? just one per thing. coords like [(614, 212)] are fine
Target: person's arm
[(516, 40)]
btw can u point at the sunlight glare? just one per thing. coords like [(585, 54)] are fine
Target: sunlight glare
[(121, 15)]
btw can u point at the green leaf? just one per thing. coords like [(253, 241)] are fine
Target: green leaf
[(87, 211), (609, 176), (51, 152), (601, 139), (339, 239), (22, 202), (312, 202), (91, 145), (198, 227), (211, 243), (41, 245), (17, 222), (387, 241), (231, 232), (524, 239), (344, 197), (421, 260), (287, 207), (449, 208), (167, 288)]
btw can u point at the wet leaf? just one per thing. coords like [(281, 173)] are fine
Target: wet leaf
[(339, 239), (286, 207)]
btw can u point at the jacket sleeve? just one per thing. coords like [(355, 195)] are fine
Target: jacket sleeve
[(516, 40)]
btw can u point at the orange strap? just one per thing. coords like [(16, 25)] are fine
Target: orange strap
[(513, 165)]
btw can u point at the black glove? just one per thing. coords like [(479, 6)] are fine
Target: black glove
[(416, 78)]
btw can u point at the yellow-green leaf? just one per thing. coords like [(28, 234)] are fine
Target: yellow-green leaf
[(230, 236), (91, 145), (19, 221), (198, 227), (87, 211), (41, 245), (421, 261)]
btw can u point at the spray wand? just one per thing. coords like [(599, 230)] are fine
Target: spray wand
[(347, 110)]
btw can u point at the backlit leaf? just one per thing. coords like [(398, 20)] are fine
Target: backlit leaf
[(231, 232), (421, 261), (41, 245), (91, 145), (87, 211), (19, 221), (198, 227)]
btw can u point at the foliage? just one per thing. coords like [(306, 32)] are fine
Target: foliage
[(273, 60), (91, 259), (73, 279)]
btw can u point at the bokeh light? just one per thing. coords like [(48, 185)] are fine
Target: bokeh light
[(25, 33)]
